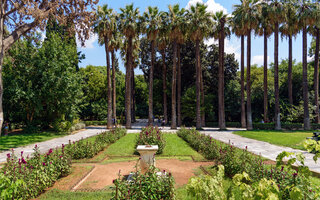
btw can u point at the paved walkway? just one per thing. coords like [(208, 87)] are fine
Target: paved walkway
[(57, 142), (264, 149)]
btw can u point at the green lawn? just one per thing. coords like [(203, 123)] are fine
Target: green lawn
[(8, 142), (123, 147), (293, 139), (175, 146)]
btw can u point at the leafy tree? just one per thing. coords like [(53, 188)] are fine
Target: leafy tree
[(24, 16), (45, 87)]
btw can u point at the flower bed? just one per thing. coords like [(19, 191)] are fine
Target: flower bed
[(236, 161), (151, 136), (31, 176), (145, 186), (25, 178)]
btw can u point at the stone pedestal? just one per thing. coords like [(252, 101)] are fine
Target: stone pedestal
[(147, 155)]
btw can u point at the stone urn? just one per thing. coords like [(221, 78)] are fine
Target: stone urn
[(147, 155)]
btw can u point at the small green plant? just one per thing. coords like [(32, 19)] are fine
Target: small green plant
[(148, 186), (151, 136), (313, 147), (207, 187)]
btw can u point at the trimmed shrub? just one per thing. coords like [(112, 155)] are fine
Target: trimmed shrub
[(151, 136)]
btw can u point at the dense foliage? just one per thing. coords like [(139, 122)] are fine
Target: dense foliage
[(151, 136), (236, 161), (41, 82), (151, 185)]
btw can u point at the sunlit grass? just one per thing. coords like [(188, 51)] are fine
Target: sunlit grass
[(293, 139)]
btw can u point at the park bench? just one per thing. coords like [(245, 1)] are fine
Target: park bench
[(316, 136)]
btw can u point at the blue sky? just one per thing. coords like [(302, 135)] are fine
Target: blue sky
[(95, 54)]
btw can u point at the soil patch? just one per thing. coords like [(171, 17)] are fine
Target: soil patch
[(66, 183), (269, 162), (103, 175)]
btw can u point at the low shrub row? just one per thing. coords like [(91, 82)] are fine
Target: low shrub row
[(25, 178), (151, 136), (236, 161), (87, 149), (152, 185)]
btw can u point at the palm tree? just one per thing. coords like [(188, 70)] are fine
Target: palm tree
[(105, 26), (315, 31), (150, 25), (305, 18), (176, 18), (245, 14), (264, 28), (162, 45), (114, 45), (220, 32), (290, 28), (239, 29), (200, 26), (276, 18), (129, 27)]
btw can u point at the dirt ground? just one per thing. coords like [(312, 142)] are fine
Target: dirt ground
[(103, 175)]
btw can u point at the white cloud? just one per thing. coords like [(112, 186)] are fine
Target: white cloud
[(258, 59), (229, 47), (212, 6), (89, 44), (310, 59)]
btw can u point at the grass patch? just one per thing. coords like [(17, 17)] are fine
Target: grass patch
[(23, 139), (293, 139), (176, 146), (123, 147), (68, 195)]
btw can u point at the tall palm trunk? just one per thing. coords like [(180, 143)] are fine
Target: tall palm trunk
[(198, 95), (114, 94), (179, 86), (203, 114), (222, 121), (174, 85), (1, 61), (128, 84), (305, 79), (249, 113), (164, 86), (109, 121), (150, 118), (243, 103), (265, 78), (276, 78), (290, 71), (133, 99), (316, 76)]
